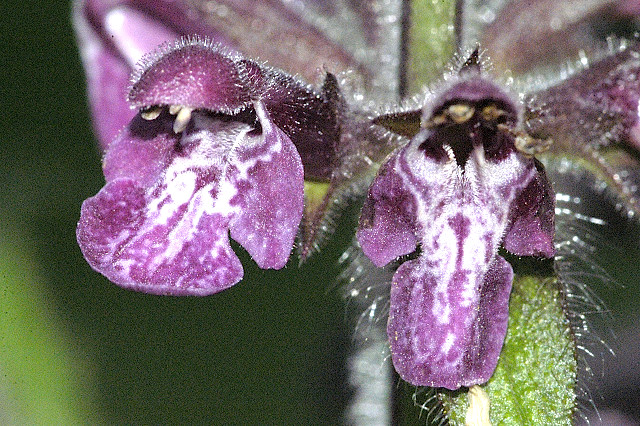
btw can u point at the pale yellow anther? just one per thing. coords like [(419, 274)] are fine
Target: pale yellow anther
[(460, 113), (437, 120), (174, 109), (525, 143), (492, 112), (151, 113), (479, 407), (182, 119), (531, 146)]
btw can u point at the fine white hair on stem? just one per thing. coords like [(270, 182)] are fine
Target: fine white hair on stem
[(586, 225), (431, 410), (366, 291), (578, 270)]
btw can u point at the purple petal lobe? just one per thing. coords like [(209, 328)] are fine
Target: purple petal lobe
[(531, 225), (448, 331), (270, 185), (456, 189), (386, 225), (120, 239), (161, 223), (436, 299)]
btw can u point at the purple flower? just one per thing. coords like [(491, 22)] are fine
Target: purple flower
[(459, 189), (206, 156), (229, 161)]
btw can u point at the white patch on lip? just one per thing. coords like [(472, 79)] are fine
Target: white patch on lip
[(481, 195), (178, 189), (441, 308), (197, 187), (249, 142), (448, 343)]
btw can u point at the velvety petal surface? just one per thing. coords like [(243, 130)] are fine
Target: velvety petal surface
[(531, 223), (387, 229), (439, 336), (193, 74), (160, 225), (270, 184)]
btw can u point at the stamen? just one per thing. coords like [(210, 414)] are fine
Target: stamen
[(436, 120), (492, 113), (454, 114), (183, 115), (151, 113), (460, 113), (531, 146), (527, 144)]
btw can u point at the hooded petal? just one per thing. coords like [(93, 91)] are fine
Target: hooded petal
[(160, 225), (114, 34), (196, 73)]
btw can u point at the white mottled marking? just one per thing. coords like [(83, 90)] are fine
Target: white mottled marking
[(448, 343)]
